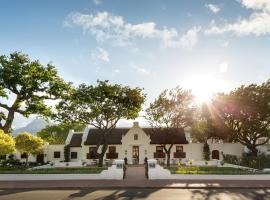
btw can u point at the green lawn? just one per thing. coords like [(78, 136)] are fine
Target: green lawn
[(208, 170), (86, 170)]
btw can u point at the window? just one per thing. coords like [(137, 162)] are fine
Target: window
[(23, 156), (57, 154), (73, 155), (179, 149), (135, 136), (159, 149), (92, 149), (3, 157), (112, 149)]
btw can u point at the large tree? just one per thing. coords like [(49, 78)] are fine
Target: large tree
[(203, 127), (171, 109), (24, 86), (246, 112), (57, 134), (7, 143), (101, 106), (29, 144)]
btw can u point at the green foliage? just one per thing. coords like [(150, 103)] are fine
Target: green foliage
[(7, 143), (30, 83), (204, 127), (57, 134), (208, 170), (246, 112), (67, 153), (257, 162), (29, 144), (101, 106), (206, 151), (171, 109)]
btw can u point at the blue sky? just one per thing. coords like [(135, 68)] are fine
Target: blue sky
[(154, 44)]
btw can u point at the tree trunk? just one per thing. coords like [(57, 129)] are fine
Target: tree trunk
[(26, 160), (168, 158), (101, 155), (254, 151), (8, 123)]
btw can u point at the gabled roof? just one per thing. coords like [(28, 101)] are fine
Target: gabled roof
[(157, 136), (76, 140), (94, 136), (174, 136)]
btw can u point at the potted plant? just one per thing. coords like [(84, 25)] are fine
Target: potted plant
[(67, 164), (222, 163), (190, 162), (206, 162)]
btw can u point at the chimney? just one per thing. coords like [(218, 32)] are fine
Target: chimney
[(135, 124)]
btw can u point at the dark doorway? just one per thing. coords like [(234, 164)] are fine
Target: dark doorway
[(40, 158), (215, 154), (135, 155)]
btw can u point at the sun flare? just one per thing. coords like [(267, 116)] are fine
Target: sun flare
[(205, 86)]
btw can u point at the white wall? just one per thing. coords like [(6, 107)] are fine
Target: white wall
[(50, 152), (145, 150)]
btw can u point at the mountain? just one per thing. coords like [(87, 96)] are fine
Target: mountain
[(33, 127)]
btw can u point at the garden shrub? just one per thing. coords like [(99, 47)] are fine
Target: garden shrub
[(206, 151), (258, 162), (67, 153)]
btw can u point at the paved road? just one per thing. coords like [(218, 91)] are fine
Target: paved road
[(136, 194)]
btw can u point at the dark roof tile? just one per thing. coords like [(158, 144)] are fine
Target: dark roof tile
[(76, 140)]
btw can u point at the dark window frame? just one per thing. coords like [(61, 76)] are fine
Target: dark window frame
[(73, 155), (24, 155), (112, 149), (136, 136), (159, 149), (179, 149), (57, 154)]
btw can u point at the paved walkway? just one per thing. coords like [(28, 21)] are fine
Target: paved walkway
[(135, 173)]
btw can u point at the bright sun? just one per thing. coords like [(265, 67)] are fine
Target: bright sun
[(205, 86)]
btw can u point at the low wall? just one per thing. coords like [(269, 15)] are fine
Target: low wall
[(155, 171), (115, 172)]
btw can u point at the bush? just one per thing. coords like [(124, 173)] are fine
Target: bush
[(67, 153), (258, 162), (206, 151)]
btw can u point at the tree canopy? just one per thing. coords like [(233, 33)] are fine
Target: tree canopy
[(246, 112), (29, 144), (101, 106), (7, 143), (26, 85), (57, 134)]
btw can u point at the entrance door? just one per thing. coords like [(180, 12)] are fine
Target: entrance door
[(40, 158), (215, 154), (135, 155)]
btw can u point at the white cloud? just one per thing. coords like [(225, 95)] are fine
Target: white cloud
[(97, 2), (213, 8), (138, 68), (258, 23), (100, 54), (223, 67), (108, 27), (224, 43)]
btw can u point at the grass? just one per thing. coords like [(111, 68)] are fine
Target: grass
[(210, 170), (85, 170)]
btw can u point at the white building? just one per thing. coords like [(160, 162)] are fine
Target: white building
[(135, 144)]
